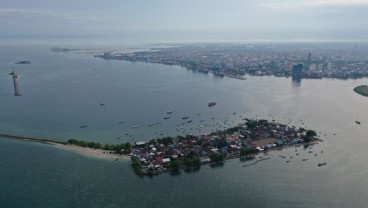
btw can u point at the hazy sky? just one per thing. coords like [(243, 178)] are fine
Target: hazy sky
[(185, 20)]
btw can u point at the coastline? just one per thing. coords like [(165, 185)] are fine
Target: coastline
[(89, 152), (84, 151)]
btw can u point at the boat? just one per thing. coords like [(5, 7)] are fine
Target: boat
[(167, 117), (321, 164), (185, 117), (23, 62), (102, 103), (220, 74), (83, 126), (210, 104), (168, 112), (357, 120), (189, 121)]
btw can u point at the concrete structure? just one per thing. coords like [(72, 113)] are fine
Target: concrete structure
[(15, 82)]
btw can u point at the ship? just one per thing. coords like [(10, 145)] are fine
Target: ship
[(23, 62), (185, 117), (321, 164), (210, 104)]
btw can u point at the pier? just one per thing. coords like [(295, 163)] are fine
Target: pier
[(15, 82), (29, 138)]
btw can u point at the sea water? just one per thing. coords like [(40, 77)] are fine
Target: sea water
[(62, 91)]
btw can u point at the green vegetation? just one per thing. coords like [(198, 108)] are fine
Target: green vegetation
[(301, 129), (217, 157), (136, 164), (175, 165), (362, 90), (232, 130), (256, 123), (192, 162), (124, 148), (245, 152), (310, 134)]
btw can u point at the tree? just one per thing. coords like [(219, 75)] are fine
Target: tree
[(251, 124), (311, 133), (217, 157), (136, 164), (247, 151), (191, 162), (175, 165), (301, 129), (262, 122)]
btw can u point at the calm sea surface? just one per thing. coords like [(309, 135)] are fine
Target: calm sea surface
[(62, 91)]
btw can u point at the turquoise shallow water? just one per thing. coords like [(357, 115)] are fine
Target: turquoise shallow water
[(63, 91)]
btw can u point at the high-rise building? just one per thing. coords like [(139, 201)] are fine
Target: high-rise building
[(297, 70)]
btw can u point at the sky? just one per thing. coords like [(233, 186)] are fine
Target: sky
[(184, 20)]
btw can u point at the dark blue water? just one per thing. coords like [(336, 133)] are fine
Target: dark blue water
[(61, 91)]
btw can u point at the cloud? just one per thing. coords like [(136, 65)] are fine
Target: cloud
[(68, 15), (302, 3)]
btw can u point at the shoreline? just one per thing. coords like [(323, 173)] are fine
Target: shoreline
[(84, 151), (92, 153)]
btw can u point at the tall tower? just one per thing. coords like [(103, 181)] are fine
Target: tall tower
[(15, 82), (297, 70), (309, 57)]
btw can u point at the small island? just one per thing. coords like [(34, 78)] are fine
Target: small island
[(189, 152), (362, 90)]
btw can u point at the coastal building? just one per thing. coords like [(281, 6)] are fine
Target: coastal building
[(297, 70), (296, 74)]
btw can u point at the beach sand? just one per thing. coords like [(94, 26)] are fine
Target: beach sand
[(85, 151), (89, 152), (264, 141)]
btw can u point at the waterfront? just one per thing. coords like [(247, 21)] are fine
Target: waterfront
[(59, 92)]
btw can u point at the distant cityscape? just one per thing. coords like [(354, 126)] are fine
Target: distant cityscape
[(237, 60)]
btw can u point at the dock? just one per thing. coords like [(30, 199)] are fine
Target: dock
[(15, 82), (30, 138)]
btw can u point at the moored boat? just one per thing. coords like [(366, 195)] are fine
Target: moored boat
[(210, 104), (321, 164)]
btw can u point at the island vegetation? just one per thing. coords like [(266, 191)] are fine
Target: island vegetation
[(123, 148)]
